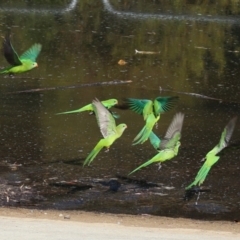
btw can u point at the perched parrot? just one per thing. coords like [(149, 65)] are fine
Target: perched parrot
[(169, 145), (151, 111), (106, 103), (24, 63), (108, 128), (211, 157)]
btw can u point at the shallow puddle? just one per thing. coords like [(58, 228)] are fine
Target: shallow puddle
[(186, 50)]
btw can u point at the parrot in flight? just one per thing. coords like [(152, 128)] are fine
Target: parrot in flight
[(151, 111), (167, 147), (108, 128), (106, 103), (211, 157), (24, 63)]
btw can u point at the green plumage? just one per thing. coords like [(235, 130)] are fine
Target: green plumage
[(108, 128), (24, 63), (154, 140), (211, 157), (169, 146), (106, 103), (151, 111)]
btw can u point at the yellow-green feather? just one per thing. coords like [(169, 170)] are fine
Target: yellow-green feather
[(144, 134), (89, 107), (162, 156), (211, 157)]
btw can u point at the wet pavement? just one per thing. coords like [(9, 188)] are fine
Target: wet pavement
[(42, 153)]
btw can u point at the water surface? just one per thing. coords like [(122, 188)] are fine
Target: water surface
[(42, 153)]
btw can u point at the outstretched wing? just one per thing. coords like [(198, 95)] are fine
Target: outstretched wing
[(225, 137), (9, 52), (136, 105), (173, 133), (164, 104), (32, 53), (105, 119)]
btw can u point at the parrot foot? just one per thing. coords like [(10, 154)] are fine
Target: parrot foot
[(156, 124), (159, 166), (196, 203), (107, 150)]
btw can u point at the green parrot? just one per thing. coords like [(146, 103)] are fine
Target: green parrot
[(106, 103), (108, 128), (151, 111), (169, 145), (211, 157), (24, 63)]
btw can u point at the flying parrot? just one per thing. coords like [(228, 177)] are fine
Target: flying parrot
[(167, 147), (151, 111), (106, 103), (24, 63), (108, 128), (211, 157)]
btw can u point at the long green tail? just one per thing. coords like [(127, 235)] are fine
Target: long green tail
[(93, 154), (141, 166), (74, 111), (85, 108), (142, 136), (154, 140), (5, 70), (202, 174)]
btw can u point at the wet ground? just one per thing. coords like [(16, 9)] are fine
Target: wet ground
[(42, 153)]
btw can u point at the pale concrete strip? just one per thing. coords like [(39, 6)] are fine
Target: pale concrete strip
[(12, 228)]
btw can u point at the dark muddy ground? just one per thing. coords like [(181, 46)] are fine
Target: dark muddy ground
[(41, 153)]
